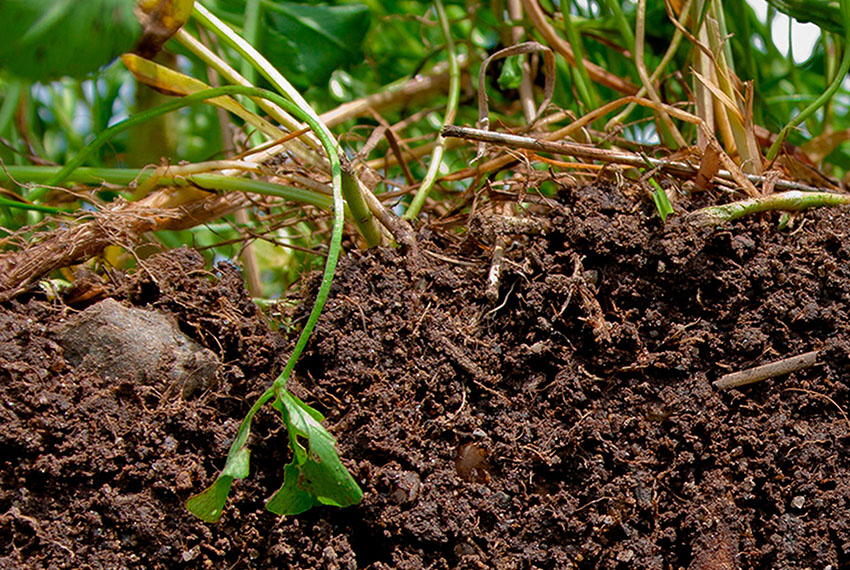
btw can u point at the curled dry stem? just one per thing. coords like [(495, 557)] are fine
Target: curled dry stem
[(598, 74)]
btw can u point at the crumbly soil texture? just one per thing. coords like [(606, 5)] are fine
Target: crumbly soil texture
[(562, 416)]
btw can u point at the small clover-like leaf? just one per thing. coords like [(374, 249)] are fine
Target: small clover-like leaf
[(209, 503), (316, 474)]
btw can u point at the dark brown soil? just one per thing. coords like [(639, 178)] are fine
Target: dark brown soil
[(570, 424)]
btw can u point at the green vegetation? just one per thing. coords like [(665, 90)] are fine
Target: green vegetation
[(292, 118)]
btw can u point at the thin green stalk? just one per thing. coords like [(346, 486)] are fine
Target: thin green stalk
[(251, 33), (668, 57), (622, 24), (585, 87), (830, 68), (31, 207), (257, 61), (279, 82), (451, 110), (826, 95), (126, 176), (645, 79), (791, 201), (224, 69)]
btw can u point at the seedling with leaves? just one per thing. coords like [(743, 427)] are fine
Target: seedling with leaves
[(315, 475)]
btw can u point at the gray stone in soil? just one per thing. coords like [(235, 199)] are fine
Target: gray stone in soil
[(142, 346)]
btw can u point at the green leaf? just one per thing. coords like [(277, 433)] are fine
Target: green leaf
[(316, 475), (209, 503), (314, 40), (46, 39), (824, 13), (662, 202), (511, 75), (290, 499)]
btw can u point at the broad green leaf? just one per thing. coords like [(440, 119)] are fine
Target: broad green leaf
[(290, 499), (316, 475), (824, 13), (46, 39), (313, 41)]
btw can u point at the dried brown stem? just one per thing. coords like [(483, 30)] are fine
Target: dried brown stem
[(772, 370), (610, 156), (123, 223)]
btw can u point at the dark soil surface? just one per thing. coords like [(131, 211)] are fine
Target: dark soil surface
[(569, 423)]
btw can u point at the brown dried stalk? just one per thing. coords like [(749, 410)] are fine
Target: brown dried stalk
[(772, 370), (122, 223)]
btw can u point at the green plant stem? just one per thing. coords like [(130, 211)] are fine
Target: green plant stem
[(32, 207), (826, 95), (585, 87), (206, 55), (279, 82), (830, 67), (251, 33), (257, 61), (622, 24), (127, 176), (418, 201), (370, 230), (792, 201), (645, 79), (668, 57)]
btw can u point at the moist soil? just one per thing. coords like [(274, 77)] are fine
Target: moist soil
[(565, 419)]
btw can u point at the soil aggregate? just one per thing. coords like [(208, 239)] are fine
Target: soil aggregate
[(569, 422)]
